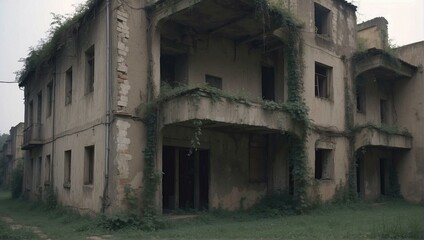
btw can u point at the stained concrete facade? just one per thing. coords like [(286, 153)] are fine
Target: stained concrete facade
[(87, 144)]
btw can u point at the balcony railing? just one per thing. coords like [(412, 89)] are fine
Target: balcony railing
[(32, 136)]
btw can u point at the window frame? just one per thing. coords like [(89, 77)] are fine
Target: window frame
[(68, 86), (322, 22), (89, 162), (67, 169), (324, 162), (323, 82)]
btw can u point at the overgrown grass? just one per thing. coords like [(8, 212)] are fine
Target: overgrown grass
[(385, 220), (22, 234)]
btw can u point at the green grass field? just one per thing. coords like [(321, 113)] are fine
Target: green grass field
[(385, 220)]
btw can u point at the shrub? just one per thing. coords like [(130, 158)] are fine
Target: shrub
[(275, 204), (17, 180)]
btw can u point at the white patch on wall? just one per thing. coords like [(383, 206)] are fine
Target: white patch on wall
[(123, 142)]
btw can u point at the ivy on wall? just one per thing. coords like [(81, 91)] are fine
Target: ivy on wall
[(295, 106)]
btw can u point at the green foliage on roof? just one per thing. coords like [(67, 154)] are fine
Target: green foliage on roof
[(60, 29)]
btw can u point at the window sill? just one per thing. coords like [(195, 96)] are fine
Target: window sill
[(88, 186), (67, 185)]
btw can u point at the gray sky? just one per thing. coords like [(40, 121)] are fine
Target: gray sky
[(32, 18)]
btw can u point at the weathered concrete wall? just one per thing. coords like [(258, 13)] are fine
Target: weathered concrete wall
[(376, 89), (229, 186), (410, 114), (76, 125), (370, 188), (339, 145), (373, 33), (239, 69), (129, 74)]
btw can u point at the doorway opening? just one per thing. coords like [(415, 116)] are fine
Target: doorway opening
[(359, 175), (185, 183)]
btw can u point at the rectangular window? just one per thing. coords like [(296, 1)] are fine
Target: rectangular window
[(67, 169), (268, 85), (39, 106), (47, 170), (39, 164), (68, 86), (324, 164), (213, 81), (360, 99), (89, 165), (257, 158), (322, 20), (322, 80), (383, 111), (89, 70), (31, 113), (50, 99)]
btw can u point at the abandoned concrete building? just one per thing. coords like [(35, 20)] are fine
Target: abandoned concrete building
[(11, 153), (211, 104)]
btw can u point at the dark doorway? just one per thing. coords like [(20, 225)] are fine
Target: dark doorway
[(383, 176), (168, 179), (167, 69), (291, 179), (185, 182), (268, 84), (359, 169)]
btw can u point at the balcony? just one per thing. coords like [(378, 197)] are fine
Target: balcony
[(32, 136), (222, 112), (382, 65), (373, 136)]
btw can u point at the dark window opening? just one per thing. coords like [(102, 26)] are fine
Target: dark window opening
[(31, 113), (68, 86), (39, 167), (322, 20), (67, 169), (360, 99), (268, 83), (47, 170), (89, 70), (383, 111), (213, 81), (257, 158), (323, 164), (39, 106), (167, 69), (49, 99), (89, 165), (322, 80)]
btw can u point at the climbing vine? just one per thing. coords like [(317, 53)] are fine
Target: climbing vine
[(295, 106)]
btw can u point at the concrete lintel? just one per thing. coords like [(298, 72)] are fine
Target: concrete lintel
[(160, 11), (374, 137)]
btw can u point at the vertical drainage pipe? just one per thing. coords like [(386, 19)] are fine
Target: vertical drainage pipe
[(107, 143)]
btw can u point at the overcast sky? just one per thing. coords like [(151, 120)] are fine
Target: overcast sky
[(24, 22)]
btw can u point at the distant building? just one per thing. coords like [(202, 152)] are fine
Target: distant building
[(203, 105), (12, 152)]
